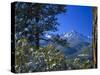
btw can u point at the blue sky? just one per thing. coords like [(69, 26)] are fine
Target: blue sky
[(78, 18)]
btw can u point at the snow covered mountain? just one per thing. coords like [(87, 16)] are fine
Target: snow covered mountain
[(72, 36), (75, 40)]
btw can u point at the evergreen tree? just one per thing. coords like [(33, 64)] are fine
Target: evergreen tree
[(33, 20)]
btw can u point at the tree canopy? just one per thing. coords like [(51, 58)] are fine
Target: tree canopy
[(33, 19)]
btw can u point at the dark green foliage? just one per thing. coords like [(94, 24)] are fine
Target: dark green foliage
[(48, 58), (36, 19), (32, 21), (28, 59)]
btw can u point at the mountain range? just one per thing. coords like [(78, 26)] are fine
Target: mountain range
[(76, 42)]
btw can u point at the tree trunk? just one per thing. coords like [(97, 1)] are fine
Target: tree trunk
[(94, 11), (37, 45)]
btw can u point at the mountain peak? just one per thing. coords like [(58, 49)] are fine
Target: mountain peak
[(74, 32), (71, 33)]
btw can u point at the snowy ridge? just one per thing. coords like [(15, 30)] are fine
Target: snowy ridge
[(72, 35)]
